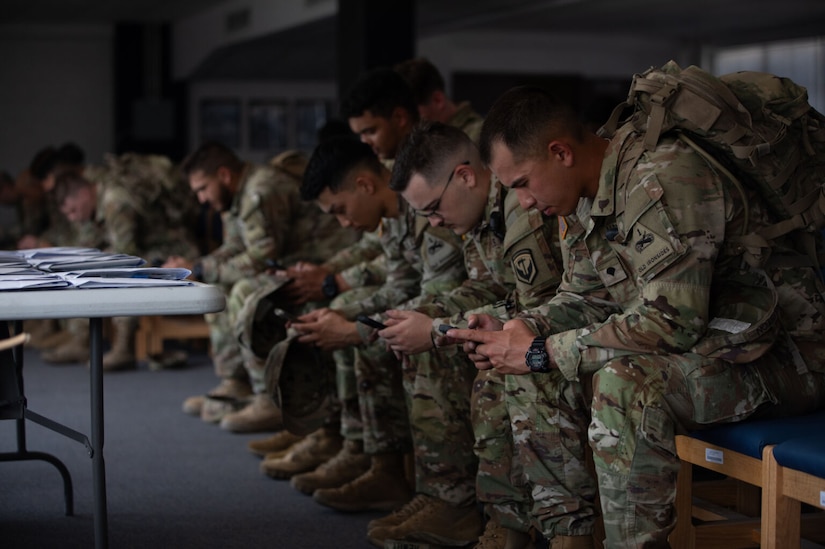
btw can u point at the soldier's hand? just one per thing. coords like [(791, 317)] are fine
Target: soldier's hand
[(503, 350), (408, 332), (329, 330), (307, 279)]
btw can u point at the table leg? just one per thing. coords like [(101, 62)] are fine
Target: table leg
[(98, 465)]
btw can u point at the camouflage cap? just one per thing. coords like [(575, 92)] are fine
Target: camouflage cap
[(259, 329), (300, 379)]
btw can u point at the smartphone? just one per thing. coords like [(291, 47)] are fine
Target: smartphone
[(283, 315), (444, 328), (364, 319)]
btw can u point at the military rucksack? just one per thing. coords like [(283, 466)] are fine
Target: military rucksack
[(757, 128)]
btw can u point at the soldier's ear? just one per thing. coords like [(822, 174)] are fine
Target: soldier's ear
[(224, 175), (365, 185), (561, 152)]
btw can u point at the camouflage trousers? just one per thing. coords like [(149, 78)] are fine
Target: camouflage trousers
[(641, 402), (532, 453), (368, 380), (226, 353), (438, 386)]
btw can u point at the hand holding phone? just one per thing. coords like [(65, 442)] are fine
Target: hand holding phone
[(284, 315), (444, 328), (364, 319)]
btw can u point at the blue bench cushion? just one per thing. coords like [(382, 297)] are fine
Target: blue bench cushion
[(806, 454), (751, 437)]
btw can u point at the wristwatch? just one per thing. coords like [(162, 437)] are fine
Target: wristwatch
[(329, 287), (537, 358)]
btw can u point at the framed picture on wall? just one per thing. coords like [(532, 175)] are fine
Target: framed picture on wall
[(220, 120), (310, 116), (268, 128)]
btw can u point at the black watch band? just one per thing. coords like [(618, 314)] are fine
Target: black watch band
[(536, 357), (330, 286)]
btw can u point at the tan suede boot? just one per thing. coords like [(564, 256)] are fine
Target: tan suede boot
[(279, 442), (382, 488), (306, 455), (496, 536), (438, 522), (261, 415), (347, 465), (572, 542), (53, 340), (234, 388), (71, 352), (413, 506), (122, 354)]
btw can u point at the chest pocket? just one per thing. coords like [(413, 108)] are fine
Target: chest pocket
[(648, 238), (531, 249)]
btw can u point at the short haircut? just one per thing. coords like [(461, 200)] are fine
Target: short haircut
[(67, 183), (43, 162), (379, 91), (70, 154), (332, 161), (209, 157), (426, 150), (423, 77), (525, 119)]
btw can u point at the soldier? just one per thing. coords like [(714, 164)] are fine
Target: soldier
[(433, 102), (258, 206), (649, 279), (513, 259), (380, 110), (316, 236), (346, 178), (138, 206)]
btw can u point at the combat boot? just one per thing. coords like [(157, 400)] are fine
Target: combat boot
[(54, 339), (306, 455), (269, 446), (382, 488), (572, 542), (394, 519), (122, 354), (73, 351), (39, 332), (234, 388), (347, 465), (261, 415), (496, 536), (438, 522)]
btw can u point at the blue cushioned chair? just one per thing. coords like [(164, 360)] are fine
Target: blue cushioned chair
[(796, 475), (737, 451)]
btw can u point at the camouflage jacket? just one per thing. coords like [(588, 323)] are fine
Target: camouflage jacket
[(648, 270), (421, 262), (258, 226), (467, 120), (361, 263), (508, 270), (141, 209)]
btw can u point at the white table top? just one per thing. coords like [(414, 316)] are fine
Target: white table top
[(108, 302)]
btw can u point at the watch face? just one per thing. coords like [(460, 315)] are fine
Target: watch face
[(537, 359)]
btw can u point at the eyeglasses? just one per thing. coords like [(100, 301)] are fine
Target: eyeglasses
[(433, 210)]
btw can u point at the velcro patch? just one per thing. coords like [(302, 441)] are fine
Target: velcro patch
[(524, 266), (439, 251), (652, 248)]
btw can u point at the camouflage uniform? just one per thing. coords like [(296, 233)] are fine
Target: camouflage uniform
[(421, 262), (467, 120), (677, 330), (506, 274), (258, 227)]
